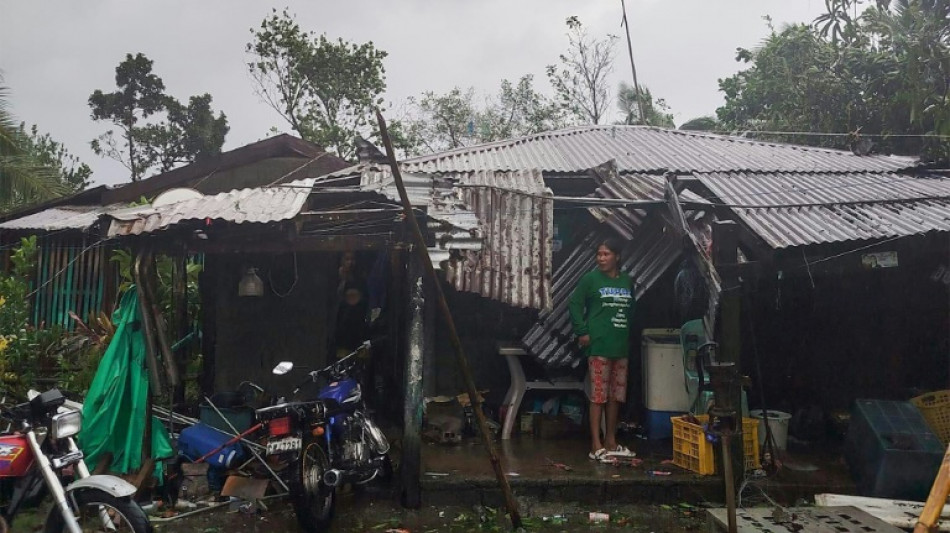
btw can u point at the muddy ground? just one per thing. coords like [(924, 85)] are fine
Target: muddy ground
[(356, 514)]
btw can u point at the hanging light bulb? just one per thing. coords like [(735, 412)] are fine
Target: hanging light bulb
[(251, 284)]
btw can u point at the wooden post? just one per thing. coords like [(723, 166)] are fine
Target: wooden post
[(208, 290), (411, 462), (937, 498), (725, 257), (461, 359), (180, 298)]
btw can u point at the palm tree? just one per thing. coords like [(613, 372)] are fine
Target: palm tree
[(656, 110), (23, 180)]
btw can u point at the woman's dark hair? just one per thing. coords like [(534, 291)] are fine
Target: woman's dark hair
[(612, 244)]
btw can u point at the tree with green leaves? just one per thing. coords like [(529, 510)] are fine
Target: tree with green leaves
[(656, 111), (882, 74), (27, 172), (155, 131), (580, 77), (324, 89), (455, 119), (48, 152)]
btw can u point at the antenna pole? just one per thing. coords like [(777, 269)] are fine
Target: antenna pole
[(633, 68)]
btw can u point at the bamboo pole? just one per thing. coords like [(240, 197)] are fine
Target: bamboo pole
[(938, 497), (421, 249)]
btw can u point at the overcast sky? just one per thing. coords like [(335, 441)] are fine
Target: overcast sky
[(55, 53)]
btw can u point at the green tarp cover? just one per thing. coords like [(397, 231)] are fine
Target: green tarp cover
[(114, 409)]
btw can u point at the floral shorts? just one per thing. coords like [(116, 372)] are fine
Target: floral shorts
[(608, 379)]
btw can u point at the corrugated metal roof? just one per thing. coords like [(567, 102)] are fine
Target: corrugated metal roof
[(646, 257), (788, 210), (67, 217), (258, 205), (648, 149)]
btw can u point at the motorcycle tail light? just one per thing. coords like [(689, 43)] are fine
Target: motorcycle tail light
[(279, 426)]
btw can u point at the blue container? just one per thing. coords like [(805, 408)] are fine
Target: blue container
[(891, 451), (200, 439), (658, 424)]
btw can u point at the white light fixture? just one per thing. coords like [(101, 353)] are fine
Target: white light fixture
[(251, 284)]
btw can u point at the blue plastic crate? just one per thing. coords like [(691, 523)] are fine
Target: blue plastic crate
[(891, 451)]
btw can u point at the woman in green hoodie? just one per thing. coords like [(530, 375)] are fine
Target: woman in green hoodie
[(601, 308)]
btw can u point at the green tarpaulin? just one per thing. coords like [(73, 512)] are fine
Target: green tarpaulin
[(114, 409)]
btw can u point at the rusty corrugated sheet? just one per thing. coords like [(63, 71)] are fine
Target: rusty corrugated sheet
[(788, 210), (516, 218), (258, 205), (493, 230), (647, 149), (646, 257)]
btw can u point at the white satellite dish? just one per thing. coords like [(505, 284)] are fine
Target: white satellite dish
[(172, 196)]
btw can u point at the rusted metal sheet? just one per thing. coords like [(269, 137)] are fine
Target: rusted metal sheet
[(648, 149), (516, 215), (258, 205), (788, 210), (493, 230)]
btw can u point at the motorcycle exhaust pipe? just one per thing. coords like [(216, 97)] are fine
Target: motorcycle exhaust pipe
[(332, 477)]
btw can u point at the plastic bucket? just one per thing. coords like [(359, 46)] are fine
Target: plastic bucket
[(778, 423)]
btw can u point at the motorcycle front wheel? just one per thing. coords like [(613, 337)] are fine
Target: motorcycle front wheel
[(94, 506), (313, 500)]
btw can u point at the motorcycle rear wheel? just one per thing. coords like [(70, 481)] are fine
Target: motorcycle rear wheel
[(313, 500), (126, 515)]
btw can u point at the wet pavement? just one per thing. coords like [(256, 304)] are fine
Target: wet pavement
[(557, 488), (536, 467)]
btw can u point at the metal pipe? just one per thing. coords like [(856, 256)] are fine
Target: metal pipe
[(729, 480), (53, 483), (422, 250), (252, 450)]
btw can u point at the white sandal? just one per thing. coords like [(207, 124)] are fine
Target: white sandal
[(598, 455), (621, 451)]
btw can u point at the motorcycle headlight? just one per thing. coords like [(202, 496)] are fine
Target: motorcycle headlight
[(65, 425)]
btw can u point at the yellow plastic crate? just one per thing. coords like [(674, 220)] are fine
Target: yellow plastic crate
[(935, 406), (693, 452)]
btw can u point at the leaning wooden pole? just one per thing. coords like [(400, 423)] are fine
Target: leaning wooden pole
[(421, 249), (938, 497)]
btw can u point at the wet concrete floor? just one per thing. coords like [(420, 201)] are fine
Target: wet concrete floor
[(460, 493), (464, 471)]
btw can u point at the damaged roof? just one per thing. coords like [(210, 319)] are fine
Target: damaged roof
[(259, 205), (648, 150)]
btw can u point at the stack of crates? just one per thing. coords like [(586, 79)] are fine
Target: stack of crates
[(693, 452)]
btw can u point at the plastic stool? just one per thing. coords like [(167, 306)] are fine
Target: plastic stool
[(518, 387)]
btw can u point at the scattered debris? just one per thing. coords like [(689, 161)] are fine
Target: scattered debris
[(560, 466), (598, 518)]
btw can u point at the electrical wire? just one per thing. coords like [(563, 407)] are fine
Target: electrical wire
[(745, 133)]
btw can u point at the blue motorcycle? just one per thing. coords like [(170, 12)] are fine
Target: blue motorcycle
[(327, 441)]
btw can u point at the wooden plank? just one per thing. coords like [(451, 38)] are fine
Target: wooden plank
[(900, 513)]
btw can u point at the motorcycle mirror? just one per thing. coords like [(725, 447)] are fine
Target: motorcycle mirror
[(283, 367)]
